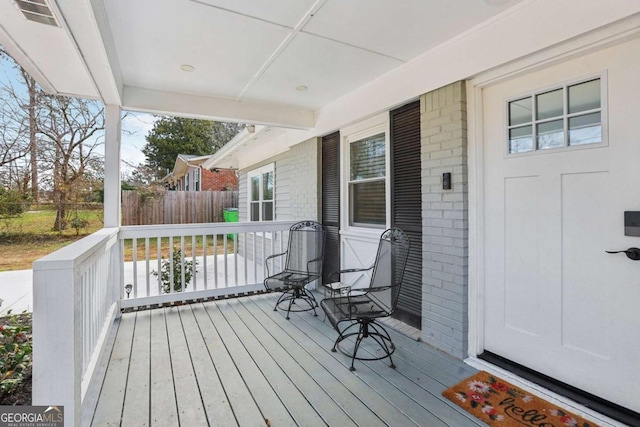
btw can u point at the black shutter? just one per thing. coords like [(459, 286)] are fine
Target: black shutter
[(331, 203), (406, 205)]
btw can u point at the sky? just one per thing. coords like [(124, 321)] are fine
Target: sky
[(135, 126)]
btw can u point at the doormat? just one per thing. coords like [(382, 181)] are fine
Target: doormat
[(499, 403)]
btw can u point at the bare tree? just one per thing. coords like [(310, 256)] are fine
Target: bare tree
[(72, 129), (13, 129), (18, 127), (33, 92)]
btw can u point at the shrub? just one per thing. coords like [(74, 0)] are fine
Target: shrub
[(15, 351), (165, 272), (78, 223), (13, 205)]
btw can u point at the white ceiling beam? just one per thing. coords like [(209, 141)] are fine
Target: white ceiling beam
[(294, 32), (88, 28), (202, 107)]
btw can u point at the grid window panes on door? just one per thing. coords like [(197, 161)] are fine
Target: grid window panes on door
[(367, 194), (261, 194), (566, 116)]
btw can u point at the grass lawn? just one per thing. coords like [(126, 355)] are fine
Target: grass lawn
[(164, 247), (24, 240)]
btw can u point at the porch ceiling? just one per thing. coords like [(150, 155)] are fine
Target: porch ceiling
[(249, 58)]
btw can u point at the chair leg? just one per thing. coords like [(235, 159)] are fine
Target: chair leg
[(366, 329), (291, 302), (311, 300), (362, 334), (382, 341), (383, 344), (292, 295), (342, 334), (283, 296)]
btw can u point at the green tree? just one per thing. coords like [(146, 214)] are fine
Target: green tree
[(171, 136)]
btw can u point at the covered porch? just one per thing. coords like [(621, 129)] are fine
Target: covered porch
[(296, 71), (214, 353), (237, 362)]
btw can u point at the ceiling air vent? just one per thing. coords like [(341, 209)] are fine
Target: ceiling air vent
[(37, 10)]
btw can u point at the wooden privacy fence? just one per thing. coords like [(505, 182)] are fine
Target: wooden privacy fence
[(176, 207)]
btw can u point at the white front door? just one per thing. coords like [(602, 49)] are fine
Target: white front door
[(554, 300)]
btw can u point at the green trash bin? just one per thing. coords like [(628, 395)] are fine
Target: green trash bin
[(230, 215)]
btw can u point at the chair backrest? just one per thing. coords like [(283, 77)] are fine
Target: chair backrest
[(305, 250), (388, 269)]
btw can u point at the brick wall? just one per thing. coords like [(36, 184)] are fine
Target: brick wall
[(297, 183), (445, 219), (224, 179)]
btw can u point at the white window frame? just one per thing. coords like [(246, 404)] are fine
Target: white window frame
[(259, 173), (368, 128), (196, 179), (565, 117)]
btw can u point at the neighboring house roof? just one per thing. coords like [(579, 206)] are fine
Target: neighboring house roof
[(181, 166)]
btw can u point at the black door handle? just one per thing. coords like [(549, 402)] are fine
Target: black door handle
[(631, 253)]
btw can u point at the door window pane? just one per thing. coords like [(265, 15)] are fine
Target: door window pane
[(584, 96), (549, 105), (551, 135), (521, 139), (585, 129), (368, 158), (520, 111), (571, 115)]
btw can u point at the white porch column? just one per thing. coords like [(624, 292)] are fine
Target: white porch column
[(112, 184)]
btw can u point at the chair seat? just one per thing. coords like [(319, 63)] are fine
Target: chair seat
[(360, 307), (288, 279)]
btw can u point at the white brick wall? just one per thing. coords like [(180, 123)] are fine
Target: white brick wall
[(445, 219), (297, 183)]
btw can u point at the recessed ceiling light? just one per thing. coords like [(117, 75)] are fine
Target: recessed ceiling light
[(187, 67), (301, 88)]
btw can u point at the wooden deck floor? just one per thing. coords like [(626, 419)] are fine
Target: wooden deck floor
[(237, 362)]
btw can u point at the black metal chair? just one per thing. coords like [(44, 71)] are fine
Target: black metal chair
[(302, 265), (354, 312)]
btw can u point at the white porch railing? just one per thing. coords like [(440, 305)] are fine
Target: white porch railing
[(74, 306), (227, 259), (78, 292)]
